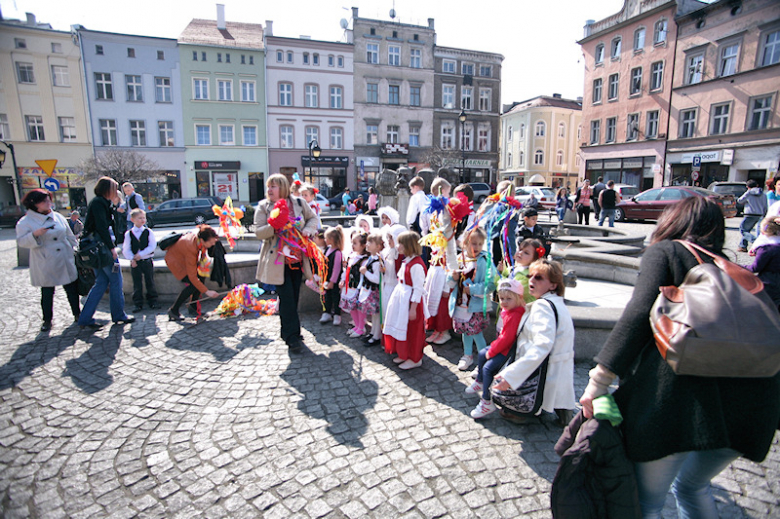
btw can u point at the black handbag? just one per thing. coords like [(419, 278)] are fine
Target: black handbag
[(93, 253), (86, 276), (526, 399)]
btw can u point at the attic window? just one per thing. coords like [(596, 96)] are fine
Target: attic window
[(161, 54), (701, 23), (251, 60), (395, 34), (416, 37), (19, 43), (373, 31), (99, 50), (130, 52)]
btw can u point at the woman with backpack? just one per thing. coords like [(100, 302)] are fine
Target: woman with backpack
[(679, 430)]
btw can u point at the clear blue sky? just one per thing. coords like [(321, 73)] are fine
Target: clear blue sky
[(537, 39)]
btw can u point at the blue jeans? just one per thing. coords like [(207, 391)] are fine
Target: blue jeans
[(105, 277), (689, 475), (488, 369), (745, 228), (561, 213), (607, 213)]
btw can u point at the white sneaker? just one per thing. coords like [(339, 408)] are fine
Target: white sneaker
[(465, 362), (354, 333), (409, 364), (475, 387), (432, 337), (475, 373), (336, 320), (483, 409), (325, 317), (398, 360), (443, 338)]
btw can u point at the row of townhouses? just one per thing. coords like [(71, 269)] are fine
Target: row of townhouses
[(226, 104)]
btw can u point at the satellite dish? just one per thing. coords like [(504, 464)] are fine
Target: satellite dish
[(344, 23), (392, 14)]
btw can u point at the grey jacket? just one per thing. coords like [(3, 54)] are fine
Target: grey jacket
[(52, 260), (755, 202)]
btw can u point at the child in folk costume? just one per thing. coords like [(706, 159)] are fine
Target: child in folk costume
[(465, 223), (350, 283), (528, 251), (404, 331), (334, 239), (309, 193), (391, 263), (387, 217), (368, 298), (472, 284), (364, 223)]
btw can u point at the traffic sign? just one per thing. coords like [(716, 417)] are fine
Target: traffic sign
[(697, 161), (695, 175), (47, 166), (51, 184)]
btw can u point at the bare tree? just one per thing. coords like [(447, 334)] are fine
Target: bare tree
[(121, 165), (438, 158)]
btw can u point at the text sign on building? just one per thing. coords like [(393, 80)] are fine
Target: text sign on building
[(706, 156), (227, 165), (389, 148), (696, 161), (612, 164), (338, 162), (478, 163), (225, 185), (728, 157)]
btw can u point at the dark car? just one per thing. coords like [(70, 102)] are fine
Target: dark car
[(737, 189), (10, 215), (336, 202), (183, 210), (648, 205)]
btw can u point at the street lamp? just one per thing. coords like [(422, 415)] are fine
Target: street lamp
[(462, 119), (314, 151), (15, 180)]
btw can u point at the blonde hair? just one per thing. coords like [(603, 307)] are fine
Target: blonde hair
[(137, 212), (771, 226), (550, 269), (377, 238), (476, 232), (411, 242), (417, 181), (517, 297), (439, 185), (306, 188), (336, 235), (277, 179)]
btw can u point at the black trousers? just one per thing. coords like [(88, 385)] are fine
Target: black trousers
[(332, 300), (189, 291), (289, 293), (583, 212), (47, 300), (144, 271)]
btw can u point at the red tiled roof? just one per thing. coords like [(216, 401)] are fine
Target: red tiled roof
[(235, 34)]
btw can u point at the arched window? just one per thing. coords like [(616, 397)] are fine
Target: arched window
[(561, 130), (509, 159), (540, 127), (522, 131), (559, 158), (521, 159), (539, 157)]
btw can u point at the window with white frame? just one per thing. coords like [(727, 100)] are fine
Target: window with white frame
[(659, 32), (103, 87), (540, 129), (393, 94), (165, 129), (225, 89), (415, 95), (137, 133), (687, 123), (200, 88), (760, 112), (485, 99), (279, 56), (372, 134), (20, 43), (635, 86), (595, 131), (720, 119), (486, 71), (656, 76), (60, 76), (521, 158), (162, 90), (598, 54), (539, 157), (24, 73), (108, 132), (331, 60), (483, 137), (694, 69), (311, 96), (448, 66), (305, 58), (509, 134), (249, 135), (372, 93), (336, 138), (286, 135), (561, 129), (290, 56), (312, 134), (203, 134), (639, 39), (509, 159), (67, 129), (448, 96), (135, 91), (613, 87), (597, 86), (285, 94), (248, 91), (728, 59), (226, 135), (336, 97), (522, 130), (467, 69), (415, 58), (467, 137), (315, 59), (340, 61), (414, 136), (771, 51), (5, 128), (393, 133), (615, 47), (394, 55), (447, 135), (559, 158), (466, 97), (632, 127), (651, 131), (372, 53), (610, 130)]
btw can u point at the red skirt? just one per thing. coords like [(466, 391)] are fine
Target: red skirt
[(412, 347), (441, 322)]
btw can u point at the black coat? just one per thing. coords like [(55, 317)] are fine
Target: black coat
[(220, 273), (99, 219), (594, 479), (665, 413), (538, 233)]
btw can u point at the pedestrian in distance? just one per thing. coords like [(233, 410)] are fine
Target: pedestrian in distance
[(608, 199), (138, 247)]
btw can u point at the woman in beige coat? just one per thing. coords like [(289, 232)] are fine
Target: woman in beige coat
[(52, 263), (278, 267)]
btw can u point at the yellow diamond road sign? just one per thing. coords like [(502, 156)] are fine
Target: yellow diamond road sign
[(47, 165)]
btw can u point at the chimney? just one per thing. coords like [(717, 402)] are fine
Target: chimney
[(269, 27), (221, 16), (354, 13), (31, 19), (579, 99), (588, 24), (430, 23)]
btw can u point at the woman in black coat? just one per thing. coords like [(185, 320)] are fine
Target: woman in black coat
[(681, 431)]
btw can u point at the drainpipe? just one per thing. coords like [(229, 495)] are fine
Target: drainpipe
[(669, 109)]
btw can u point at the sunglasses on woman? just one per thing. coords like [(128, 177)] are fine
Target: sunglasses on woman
[(538, 277)]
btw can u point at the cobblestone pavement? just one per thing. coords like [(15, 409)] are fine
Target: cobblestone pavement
[(156, 419)]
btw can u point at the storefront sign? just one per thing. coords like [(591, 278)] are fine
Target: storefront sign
[(706, 156), (594, 164), (612, 164), (478, 163), (396, 148), (633, 163), (728, 157), (338, 162), (226, 185), (228, 165), (369, 162)]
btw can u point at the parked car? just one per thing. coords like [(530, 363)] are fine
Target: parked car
[(626, 191), (731, 188), (183, 210), (481, 191), (10, 215), (648, 205), (545, 195), (322, 202), (335, 201)]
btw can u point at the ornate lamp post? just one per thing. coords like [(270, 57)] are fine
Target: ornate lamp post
[(314, 151), (462, 119), (15, 180)]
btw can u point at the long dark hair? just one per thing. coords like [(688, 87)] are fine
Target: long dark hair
[(695, 219), (35, 197)]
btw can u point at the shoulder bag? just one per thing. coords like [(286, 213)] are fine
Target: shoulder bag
[(93, 253)]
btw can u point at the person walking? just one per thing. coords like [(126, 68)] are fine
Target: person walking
[(608, 199), (755, 208), (582, 202), (48, 236), (597, 189)]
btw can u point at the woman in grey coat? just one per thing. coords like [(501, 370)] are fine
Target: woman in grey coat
[(52, 263)]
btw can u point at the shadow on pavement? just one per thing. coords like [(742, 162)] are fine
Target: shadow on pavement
[(89, 372), (31, 355)]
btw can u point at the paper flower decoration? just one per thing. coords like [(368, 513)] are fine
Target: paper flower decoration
[(229, 221), (280, 215), (458, 207)]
